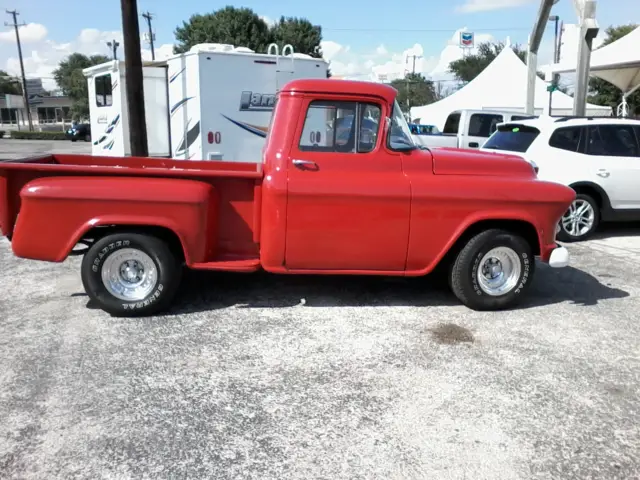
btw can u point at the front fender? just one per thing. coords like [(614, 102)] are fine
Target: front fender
[(56, 212)]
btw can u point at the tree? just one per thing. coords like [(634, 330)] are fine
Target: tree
[(243, 27), (9, 85), (73, 83), (236, 26), (469, 67), (300, 33), (604, 93), (414, 90)]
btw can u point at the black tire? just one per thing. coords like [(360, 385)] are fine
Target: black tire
[(565, 236), (463, 277), (74, 139), (167, 266)]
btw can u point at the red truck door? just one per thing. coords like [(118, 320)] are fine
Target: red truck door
[(348, 202)]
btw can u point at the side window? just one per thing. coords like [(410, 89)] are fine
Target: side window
[(566, 138), (613, 141), (483, 124), (343, 127), (452, 124), (104, 91)]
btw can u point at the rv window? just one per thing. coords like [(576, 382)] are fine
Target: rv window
[(329, 127), (104, 91)]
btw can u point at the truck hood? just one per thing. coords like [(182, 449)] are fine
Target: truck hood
[(458, 161)]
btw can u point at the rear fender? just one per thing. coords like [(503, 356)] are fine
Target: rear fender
[(57, 212)]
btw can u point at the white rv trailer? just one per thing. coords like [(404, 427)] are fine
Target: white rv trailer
[(211, 103)]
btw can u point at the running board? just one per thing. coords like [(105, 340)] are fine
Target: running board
[(240, 265)]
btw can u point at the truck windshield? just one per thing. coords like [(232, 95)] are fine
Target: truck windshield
[(399, 133), (512, 137)]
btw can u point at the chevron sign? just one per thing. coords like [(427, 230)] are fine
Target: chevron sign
[(466, 39)]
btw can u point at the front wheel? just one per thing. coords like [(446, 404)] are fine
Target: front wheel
[(492, 271), (580, 221), (130, 274)]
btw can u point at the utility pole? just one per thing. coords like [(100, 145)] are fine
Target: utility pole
[(25, 93), (147, 16), (413, 72), (133, 77), (113, 45)]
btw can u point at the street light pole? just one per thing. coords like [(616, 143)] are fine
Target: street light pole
[(113, 45)]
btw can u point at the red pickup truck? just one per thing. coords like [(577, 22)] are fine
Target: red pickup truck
[(341, 189)]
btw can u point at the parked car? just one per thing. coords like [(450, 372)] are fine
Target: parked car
[(81, 131), (598, 157), (366, 205), (469, 128)]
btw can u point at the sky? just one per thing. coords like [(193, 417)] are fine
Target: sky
[(360, 41)]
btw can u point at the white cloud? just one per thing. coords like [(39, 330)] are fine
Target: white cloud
[(268, 20), (472, 6), (29, 33)]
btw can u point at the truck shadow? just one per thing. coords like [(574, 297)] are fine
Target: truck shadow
[(203, 291), (614, 230)]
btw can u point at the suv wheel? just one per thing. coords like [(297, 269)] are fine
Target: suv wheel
[(580, 221)]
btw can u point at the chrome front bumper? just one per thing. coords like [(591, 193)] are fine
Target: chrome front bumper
[(559, 257)]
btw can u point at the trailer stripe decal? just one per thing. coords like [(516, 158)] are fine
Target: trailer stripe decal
[(177, 105), (175, 75), (255, 129)]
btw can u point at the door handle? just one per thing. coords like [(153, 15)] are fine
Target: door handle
[(603, 173), (305, 164), (474, 144)]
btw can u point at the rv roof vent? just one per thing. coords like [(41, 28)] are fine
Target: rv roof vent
[(212, 47), (301, 55), (243, 50)]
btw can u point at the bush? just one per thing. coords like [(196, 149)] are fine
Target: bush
[(22, 135), (1, 133)]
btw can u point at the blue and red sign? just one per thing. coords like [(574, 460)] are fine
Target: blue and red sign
[(466, 39)]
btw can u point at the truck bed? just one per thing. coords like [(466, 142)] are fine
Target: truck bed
[(229, 233)]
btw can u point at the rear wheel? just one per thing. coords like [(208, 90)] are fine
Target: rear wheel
[(130, 274), (580, 221), (492, 271)]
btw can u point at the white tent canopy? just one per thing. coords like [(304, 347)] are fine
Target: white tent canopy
[(500, 86), (618, 63)]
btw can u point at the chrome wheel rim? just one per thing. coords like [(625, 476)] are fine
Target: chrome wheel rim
[(578, 219), (499, 271), (129, 274)]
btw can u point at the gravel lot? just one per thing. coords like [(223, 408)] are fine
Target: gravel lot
[(255, 376)]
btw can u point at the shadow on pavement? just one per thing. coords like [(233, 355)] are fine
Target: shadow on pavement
[(202, 291), (612, 230)]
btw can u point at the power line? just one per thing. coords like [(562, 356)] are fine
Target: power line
[(148, 16), (25, 93)]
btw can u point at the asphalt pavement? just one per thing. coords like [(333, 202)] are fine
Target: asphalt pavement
[(13, 149), (265, 377)]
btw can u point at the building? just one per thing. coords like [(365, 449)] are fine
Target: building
[(48, 112)]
